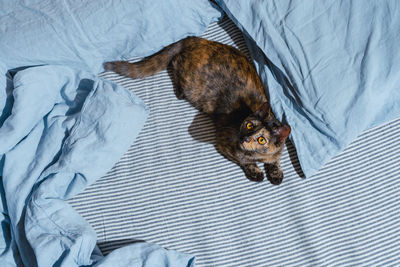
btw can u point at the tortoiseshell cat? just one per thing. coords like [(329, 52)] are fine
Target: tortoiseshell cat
[(219, 80)]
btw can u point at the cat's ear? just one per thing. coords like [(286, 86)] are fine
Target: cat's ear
[(282, 132), (263, 111)]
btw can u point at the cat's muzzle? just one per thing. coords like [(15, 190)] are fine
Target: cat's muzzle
[(245, 139)]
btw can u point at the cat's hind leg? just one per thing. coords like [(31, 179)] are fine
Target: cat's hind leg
[(179, 93), (274, 172), (178, 90), (252, 172), (177, 80)]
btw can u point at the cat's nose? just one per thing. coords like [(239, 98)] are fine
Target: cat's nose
[(246, 139)]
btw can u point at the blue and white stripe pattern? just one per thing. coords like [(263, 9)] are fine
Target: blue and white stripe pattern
[(172, 188)]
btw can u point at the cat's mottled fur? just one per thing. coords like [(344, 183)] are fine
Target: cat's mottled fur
[(219, 80)]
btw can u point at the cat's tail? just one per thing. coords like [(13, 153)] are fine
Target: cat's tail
[(148, 66)]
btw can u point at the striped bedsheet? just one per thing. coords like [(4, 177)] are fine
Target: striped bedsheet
[(172, 188)]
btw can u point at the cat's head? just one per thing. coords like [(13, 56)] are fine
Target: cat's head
[(260, 132)]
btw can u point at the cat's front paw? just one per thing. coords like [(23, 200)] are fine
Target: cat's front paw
[(274, 173), (253, 173)]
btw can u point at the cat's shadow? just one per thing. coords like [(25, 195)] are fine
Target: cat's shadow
[(202, 129)]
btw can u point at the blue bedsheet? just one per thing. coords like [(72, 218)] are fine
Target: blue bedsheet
[(332, 67), (61, 127)]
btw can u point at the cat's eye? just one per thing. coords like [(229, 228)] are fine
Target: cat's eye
[(261, 140), (249, 126)]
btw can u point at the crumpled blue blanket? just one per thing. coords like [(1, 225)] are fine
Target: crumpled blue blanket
[(62, 127), (332, 67)]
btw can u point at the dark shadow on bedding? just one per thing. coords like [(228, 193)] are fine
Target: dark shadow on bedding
[(84, 88), (294, 159), (235, 34), (108, 246), (202, 129), (25, 249), (9, 100)]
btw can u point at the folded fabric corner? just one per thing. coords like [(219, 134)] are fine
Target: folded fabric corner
[(67, 128)]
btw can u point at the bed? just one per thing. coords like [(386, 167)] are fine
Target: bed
[(147, 187)]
